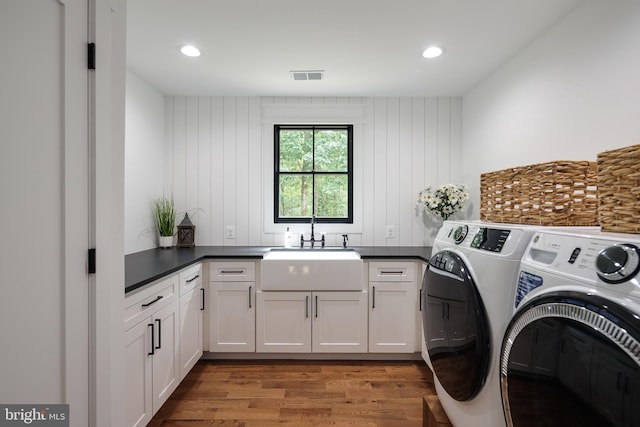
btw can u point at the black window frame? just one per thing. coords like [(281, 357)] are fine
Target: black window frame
[(277, 173)]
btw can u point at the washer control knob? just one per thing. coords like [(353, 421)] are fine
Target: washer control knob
[(618, 263), (460, 233)]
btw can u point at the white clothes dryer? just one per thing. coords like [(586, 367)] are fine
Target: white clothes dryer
[(571, 353), (467, 292)]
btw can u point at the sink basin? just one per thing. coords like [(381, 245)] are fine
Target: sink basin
[(311, 270), (312, 254)]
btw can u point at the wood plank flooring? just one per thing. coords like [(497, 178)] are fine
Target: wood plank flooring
[(299, 393)]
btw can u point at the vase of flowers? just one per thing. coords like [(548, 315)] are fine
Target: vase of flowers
[(443, 201)]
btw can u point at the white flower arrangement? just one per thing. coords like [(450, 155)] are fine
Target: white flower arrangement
[(444, 200)]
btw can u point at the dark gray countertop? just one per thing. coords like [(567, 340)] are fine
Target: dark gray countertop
[(147, 266)]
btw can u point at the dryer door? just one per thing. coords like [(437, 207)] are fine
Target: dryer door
[(571, 359), (456, 326)]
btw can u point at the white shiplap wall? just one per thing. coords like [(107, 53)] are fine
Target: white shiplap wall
[(219, 153)]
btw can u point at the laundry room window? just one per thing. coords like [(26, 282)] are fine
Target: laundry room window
[(313, 173)]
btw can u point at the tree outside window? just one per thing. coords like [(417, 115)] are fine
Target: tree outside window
[(313, 173)]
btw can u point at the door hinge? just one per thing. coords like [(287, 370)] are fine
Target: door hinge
[(91, 261), (91, 57)]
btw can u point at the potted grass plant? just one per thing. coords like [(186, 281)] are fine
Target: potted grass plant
[(165, 218)]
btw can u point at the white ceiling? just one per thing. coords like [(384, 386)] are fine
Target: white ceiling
[(366, 47)]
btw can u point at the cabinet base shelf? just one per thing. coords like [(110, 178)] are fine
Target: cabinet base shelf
[(312, 356)]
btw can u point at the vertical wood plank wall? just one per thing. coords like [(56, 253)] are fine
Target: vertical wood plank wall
[(214, 153)]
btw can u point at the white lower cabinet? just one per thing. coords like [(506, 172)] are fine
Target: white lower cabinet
[(393, 308), (232, 307), (192, 306), (232, 314), (339, 322), (151, 350), (303, 322)]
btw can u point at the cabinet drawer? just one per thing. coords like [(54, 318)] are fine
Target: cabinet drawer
[(232, 271), (149, 300), (190, 278), (392, 271)]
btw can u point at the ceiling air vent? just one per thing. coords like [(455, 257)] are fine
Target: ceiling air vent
[(307, 75)]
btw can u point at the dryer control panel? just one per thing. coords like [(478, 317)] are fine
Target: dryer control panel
[(596, 259), (485, 238), (503, 240)]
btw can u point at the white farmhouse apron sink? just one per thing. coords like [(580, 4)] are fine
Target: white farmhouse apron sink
[(311, 270)]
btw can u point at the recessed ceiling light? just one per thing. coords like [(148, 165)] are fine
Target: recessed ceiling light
[(433, 52), (189, 50)]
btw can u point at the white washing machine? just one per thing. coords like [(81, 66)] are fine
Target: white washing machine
[(467, 293), (571, 353)]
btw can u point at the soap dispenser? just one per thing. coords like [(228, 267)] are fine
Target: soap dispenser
[(288, 239)]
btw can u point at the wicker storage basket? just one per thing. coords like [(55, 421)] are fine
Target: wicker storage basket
[(619, 189), (553, 193)]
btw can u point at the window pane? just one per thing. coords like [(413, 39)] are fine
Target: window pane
[(295, 196), (331, 151), (332, 196), (296, 150)]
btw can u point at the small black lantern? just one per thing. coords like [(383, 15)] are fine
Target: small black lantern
[(186, 233)]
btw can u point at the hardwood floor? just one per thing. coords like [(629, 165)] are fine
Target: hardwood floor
[(299, 393)]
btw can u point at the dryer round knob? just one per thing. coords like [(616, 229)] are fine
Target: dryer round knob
[(460, 233), (618, 263)]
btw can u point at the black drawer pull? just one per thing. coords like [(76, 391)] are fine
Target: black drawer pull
[(391, 272), (193, 278), (231, 271), (152, 302), (202, 307)]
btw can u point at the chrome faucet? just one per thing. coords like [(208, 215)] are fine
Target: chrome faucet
[(312, 240)]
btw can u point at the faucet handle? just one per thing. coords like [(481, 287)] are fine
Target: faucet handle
[(345, 239)]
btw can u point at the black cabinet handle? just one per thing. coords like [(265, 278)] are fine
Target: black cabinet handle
[(420, 299), (306, 307), (153, 342), (159, 322), (193, 278), (231, 271), (152, 302), (373, 298), (445, 310), (250, 296), (202, 306), (316, 306)]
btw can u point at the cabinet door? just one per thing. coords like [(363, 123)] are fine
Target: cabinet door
[(166, 367), (607, 384), (520, 357), (546, 341), (191, 317), (138, 366), (232, 317), (392, 317), (631, 388), (339, 322), (284, 322), (574, 362)]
